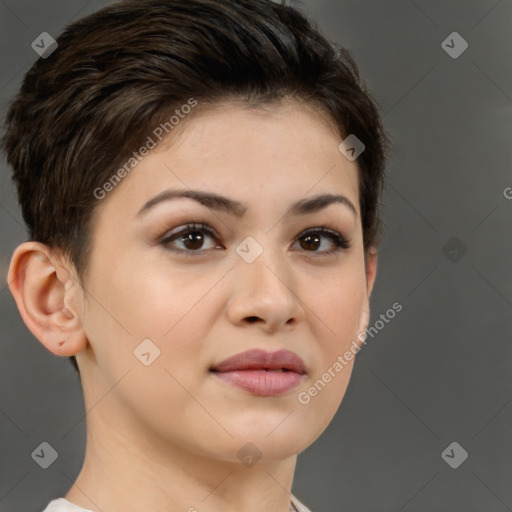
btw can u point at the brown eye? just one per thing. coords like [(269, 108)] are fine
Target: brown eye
[(194, 240), (312, 241), (191, 237)]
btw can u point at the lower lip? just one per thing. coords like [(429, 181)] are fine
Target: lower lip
[(262, 382)]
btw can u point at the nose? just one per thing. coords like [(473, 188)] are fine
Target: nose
[(265, 292)]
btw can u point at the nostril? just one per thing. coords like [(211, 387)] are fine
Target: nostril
[(252, 319)]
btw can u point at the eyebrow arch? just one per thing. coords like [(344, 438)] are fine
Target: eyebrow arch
[(238, 209)]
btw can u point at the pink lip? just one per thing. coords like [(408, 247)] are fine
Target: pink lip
[(262, 373)]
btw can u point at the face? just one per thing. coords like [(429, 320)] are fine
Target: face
[(167, 301)]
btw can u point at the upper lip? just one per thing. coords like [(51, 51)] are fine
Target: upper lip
[(258, 359)]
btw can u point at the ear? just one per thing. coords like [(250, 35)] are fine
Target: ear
[(371, 272), (49, 298)]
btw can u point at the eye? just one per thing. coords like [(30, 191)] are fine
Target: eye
[(192, 238), (313, 237)]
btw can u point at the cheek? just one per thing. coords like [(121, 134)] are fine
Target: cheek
[(145, 313), (144, 298), (171, 307), (336, 303), (339, 309), (335, 318)]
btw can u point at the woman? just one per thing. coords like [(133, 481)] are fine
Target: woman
[(201, 189)]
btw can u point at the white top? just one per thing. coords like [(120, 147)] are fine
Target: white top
[(63, 505)]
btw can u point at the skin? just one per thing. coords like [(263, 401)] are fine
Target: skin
[(171, 429)]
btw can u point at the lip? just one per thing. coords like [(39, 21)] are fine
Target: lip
[(262, 373)]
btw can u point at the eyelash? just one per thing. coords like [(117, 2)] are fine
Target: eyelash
[(340, 242)]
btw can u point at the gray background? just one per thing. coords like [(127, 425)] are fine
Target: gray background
[(440, 371)]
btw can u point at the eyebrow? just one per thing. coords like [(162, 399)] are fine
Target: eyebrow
[(238, 209)]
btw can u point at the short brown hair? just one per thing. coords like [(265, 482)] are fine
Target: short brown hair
[(118, 73)]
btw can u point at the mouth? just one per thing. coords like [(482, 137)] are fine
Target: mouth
[(261, 382), (262, 373)]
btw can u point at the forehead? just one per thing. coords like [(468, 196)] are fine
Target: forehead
[(272, 154)]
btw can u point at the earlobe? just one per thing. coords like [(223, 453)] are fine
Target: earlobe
[(42, 292)]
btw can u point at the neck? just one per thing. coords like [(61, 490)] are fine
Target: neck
[(129, 467)]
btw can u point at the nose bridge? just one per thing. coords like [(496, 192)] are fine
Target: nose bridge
[(265, 282), (263, 264)]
